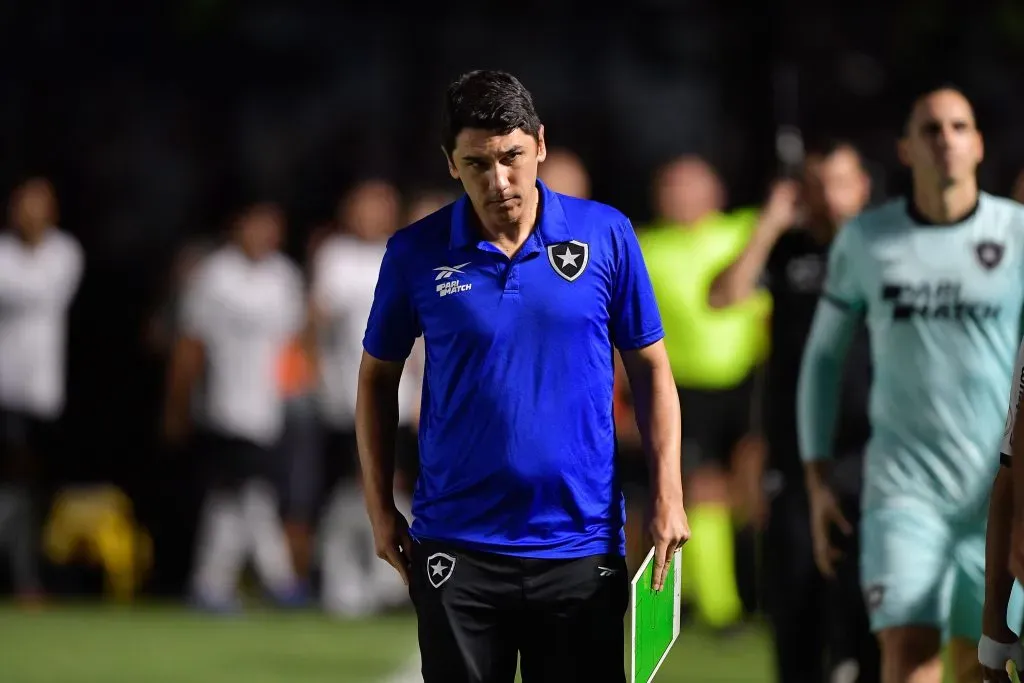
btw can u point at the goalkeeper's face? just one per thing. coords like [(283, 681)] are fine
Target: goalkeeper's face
[(942, 143)]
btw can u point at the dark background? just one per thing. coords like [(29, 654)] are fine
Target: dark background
[(153, 118)]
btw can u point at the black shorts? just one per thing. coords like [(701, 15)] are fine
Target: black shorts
[(228, 462), (341, 456), (477, 611), (714, 422), (27, 443)]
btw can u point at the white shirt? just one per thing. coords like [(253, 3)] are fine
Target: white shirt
[(344, 279), (37, 285), (245, 313)]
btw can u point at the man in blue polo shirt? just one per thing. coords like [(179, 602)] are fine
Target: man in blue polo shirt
[(521, 295)]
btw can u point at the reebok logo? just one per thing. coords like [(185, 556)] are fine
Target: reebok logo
[(605, 571), (445, 272), (448, 286)]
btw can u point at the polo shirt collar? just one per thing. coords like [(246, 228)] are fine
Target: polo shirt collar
[(552, 227)]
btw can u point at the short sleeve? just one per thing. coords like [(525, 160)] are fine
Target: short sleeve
[(196, 310), (393, 325), (843, 284), (295, 306), (635, 319), (71, 275), (323, 290)]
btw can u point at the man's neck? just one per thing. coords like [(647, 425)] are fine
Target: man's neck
[(513, 235), (252, 256), (31, 238), (694, 223), (822, 230), (947, 205)]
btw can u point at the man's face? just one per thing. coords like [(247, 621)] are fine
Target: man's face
[(261, 230), (33, 208), (370, 211), (942, 143), (836, 187), (498, 171), (687, 190)]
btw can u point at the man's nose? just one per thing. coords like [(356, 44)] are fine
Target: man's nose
[(499, 179)]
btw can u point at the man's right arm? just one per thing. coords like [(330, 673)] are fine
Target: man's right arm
[(391, 330), (185, 370), (376, 427), (818, 388), (840, 310), (188, 356), (738, 282)]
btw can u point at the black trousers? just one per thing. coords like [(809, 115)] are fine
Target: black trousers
[(229, 462), (714, 422), (27, 445), (819, 625), (477, 612)]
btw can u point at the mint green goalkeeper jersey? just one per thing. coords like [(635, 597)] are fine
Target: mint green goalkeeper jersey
[(942, 305)]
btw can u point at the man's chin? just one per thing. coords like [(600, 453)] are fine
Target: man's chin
[(507, 212)]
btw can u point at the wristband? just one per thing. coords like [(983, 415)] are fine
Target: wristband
[(994, 655)]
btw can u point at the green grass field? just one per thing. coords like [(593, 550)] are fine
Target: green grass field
[(153, 645)]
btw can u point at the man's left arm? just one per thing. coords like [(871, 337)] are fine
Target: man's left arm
[(658, 420), (636, 329)]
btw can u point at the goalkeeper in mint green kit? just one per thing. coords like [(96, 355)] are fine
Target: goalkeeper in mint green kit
[(939, 278)]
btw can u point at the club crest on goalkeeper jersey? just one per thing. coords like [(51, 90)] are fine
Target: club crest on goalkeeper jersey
[(943, 308)]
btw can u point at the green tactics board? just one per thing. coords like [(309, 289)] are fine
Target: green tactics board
[(654, 617)]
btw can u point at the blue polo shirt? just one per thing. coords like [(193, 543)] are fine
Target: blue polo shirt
[(517, 436)]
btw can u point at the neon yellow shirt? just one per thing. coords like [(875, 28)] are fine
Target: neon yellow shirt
[(707, 348)]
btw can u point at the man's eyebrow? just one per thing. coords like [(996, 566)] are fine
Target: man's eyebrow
[(498, 155)]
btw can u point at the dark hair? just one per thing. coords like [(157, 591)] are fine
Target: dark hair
[(927, 91), (488, 100), (827, 145)]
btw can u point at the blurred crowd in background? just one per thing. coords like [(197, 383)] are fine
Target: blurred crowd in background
[(140, 142)]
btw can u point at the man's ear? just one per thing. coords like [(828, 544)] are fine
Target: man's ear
[(903, 151), (452, 171)]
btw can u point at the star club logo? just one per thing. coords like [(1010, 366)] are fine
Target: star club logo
[(440, 567), (989, 254), (569, 259)]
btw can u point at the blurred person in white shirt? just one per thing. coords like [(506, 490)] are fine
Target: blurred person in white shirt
[(40, 271), (345, 272), (243, 304)]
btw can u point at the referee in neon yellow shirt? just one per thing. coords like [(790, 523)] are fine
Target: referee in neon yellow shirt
[(713, 354)]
